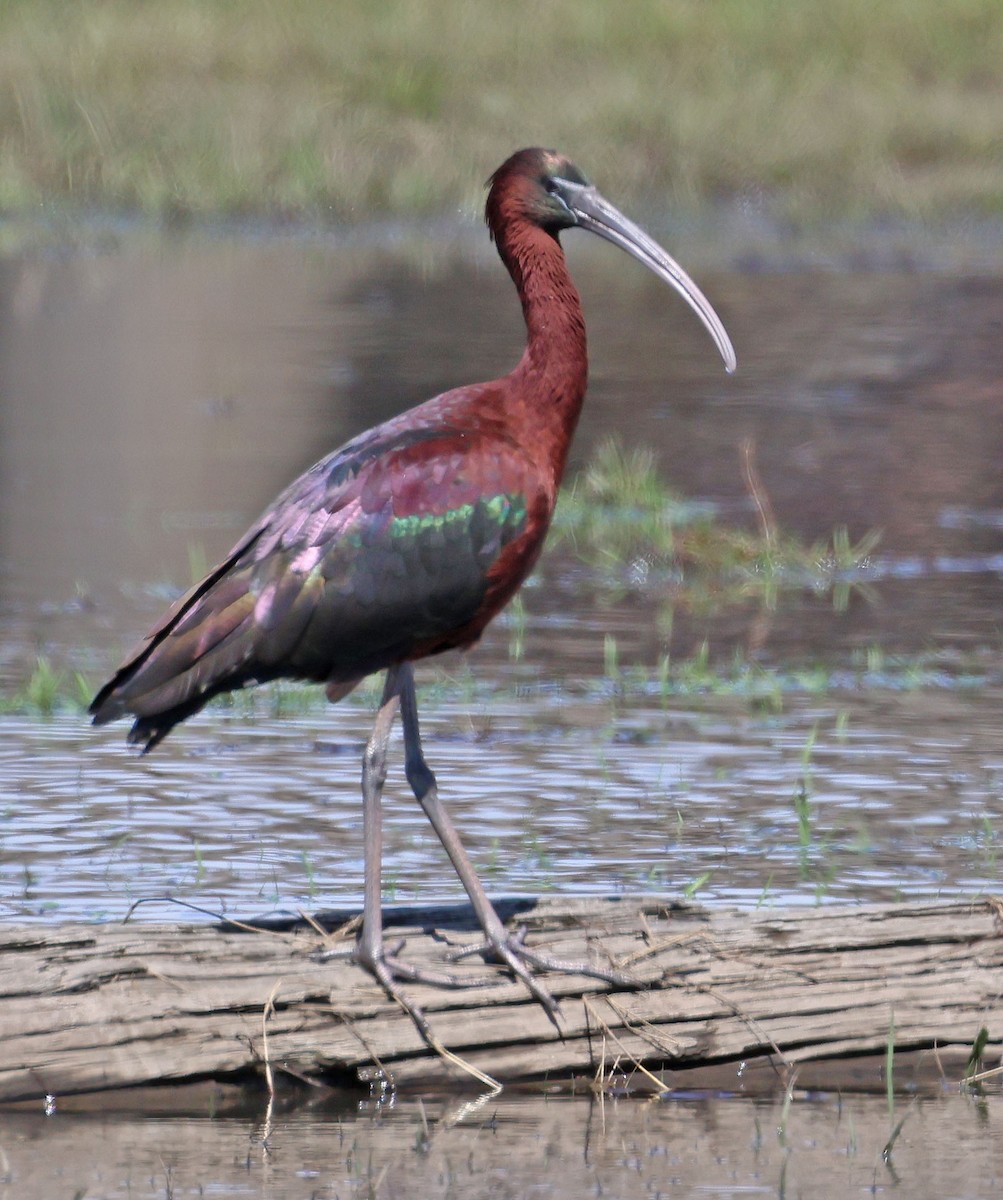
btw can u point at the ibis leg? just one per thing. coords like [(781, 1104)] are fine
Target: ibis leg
[(384, 965), (374, 774), (370, 950), (506, 948)]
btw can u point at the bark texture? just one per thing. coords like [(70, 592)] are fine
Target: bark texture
[(86, 1008)]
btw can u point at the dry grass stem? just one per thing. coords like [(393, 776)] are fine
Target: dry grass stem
[(645, 1030), (607, 1031), (984, 1075), (266, 1012)]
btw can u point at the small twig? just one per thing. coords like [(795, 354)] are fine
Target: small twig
[(158, 975), (656, 947), (467, 1067), (429, 1038), (786, 1107), (588, 1035), (645, 1030), (991, 1073), (331, 937), (350, 1026), (316, 1084), (206, 912), (937, 1060), (266, 1012), (750, 1022)]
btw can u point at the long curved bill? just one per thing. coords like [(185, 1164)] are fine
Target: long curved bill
[(593, 212)]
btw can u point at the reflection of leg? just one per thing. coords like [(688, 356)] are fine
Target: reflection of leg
[(506, 948)]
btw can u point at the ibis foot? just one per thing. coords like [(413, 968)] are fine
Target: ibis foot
[(387, 967), (386, 964), (512, 950)]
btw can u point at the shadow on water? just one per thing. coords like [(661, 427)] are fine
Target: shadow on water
[(153, 399)]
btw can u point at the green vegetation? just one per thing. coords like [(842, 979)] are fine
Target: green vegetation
[(762, 688), (895, 1127), (199, 863), (890, 1068), (515, 619), (47, 690), (974, 1064), (986, 841), (205, 106), (624, 523), (616, 515), (694, 886)]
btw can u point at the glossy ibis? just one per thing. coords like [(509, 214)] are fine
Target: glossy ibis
[(407, 540)]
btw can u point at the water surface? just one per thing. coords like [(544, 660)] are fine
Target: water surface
[(949, 1146), (155, 396)]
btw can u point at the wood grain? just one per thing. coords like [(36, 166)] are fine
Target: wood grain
[(85, 1008)]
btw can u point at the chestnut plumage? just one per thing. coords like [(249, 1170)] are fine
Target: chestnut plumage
[(408, 540)]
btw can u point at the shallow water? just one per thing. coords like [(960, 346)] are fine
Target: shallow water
[(154, 398), (523, 1147), (552, 792)]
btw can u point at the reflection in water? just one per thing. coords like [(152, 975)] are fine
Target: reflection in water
[(154, 400), (523, 1147)]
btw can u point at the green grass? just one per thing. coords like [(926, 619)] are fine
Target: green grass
[(47, 690), (623, 522), (616, 513), (403, 107), (802, 800), (762, 688), (974, 1064)]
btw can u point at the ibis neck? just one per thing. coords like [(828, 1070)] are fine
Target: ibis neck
[(551, 376)]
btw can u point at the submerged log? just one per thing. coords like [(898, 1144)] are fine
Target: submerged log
[(86, 1008)]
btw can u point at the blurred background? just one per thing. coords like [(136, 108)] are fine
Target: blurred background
[(234, 235), (760, 662), (331, 113)]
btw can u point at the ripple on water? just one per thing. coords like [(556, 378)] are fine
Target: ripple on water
[(248, 816)]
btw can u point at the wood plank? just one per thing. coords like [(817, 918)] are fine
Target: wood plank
[(89, 1008)]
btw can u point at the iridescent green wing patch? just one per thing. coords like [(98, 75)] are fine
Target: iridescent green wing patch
[(491, 519)]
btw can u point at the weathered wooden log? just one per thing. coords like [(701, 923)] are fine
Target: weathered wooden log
[(90, 1007)]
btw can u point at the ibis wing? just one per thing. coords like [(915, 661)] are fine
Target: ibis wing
[(383, 547)]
